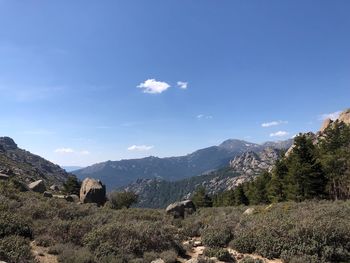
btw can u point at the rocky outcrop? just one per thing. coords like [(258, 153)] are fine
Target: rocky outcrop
[(37, 186), (181, 209), (251, 163), (343, 117), (92, 191), (27, 167), (54, 187)]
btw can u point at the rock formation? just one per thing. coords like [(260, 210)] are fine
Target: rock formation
[(92, 191), (37, 186), (181, 209)]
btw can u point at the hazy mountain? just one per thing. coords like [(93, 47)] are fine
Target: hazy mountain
[(121, 173), (27, 166), (72, 168), (156, 193)]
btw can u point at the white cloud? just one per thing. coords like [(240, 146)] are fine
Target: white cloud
[(332, 115), (273, 123), (85, 152), (182, 84), (202, 117), (64, 150), (140, 148), (153, 86), (279, 134)]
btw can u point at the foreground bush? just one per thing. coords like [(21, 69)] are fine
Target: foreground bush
[(319, 231), (133, 238), (15, 249)]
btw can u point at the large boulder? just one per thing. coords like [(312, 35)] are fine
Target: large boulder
[(92, 191), (180, 209), (54, 187), (37, 186)]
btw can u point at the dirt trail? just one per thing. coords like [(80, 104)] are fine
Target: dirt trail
[(41, 255), (197, 251)]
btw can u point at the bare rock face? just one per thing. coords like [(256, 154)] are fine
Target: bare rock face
[(325, 124), (180, 209), (37, 186), (92, 191), (345, 116), (251, 163), (54, 187)]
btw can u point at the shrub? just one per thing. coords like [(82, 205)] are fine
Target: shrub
[(134, 238), (220, 253), (119, 200), (216, 236), (315, 230), (14, 249), (75, 255), (251, 260), (169, 256), (12, 224)]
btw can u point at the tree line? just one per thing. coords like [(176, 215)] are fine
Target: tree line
[(314, 169)]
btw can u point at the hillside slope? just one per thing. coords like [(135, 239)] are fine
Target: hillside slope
[(26, 166), (157, 193), (121, 173)]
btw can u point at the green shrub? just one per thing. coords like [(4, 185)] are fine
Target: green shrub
[(14, 249), (12, 224), (317, 230), (251, 260), (75, 255), (220, 253), (216, 236), (169, 256), (134, 238), (119, 200)]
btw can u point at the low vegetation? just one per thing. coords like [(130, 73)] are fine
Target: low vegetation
[(313, 231)]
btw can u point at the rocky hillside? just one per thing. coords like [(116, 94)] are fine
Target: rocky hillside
[(26, 166), (159, 193), (121, 173)]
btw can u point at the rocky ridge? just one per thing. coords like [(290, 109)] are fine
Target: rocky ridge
[(28, 167)]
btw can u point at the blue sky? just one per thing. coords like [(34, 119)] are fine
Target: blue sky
[(88, 81)]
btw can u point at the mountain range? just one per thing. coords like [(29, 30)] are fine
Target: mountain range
[(116, 174), (156, 192)]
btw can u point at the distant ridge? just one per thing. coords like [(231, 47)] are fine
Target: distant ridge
[(116, 174)]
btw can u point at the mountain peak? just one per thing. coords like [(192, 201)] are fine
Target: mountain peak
[(235, 143), (8, 143)]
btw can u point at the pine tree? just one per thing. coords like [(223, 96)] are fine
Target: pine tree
[(240, 197), (72, 185), (305, 178), (276, 187), (201, 199), (335, 155)]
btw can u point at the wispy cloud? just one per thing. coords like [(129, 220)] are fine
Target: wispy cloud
[(140, 148), (71, 151), (182, 84), (153, 86), (279, 134), (204, 117), (332, 115), (64, 150), (273, 123)]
